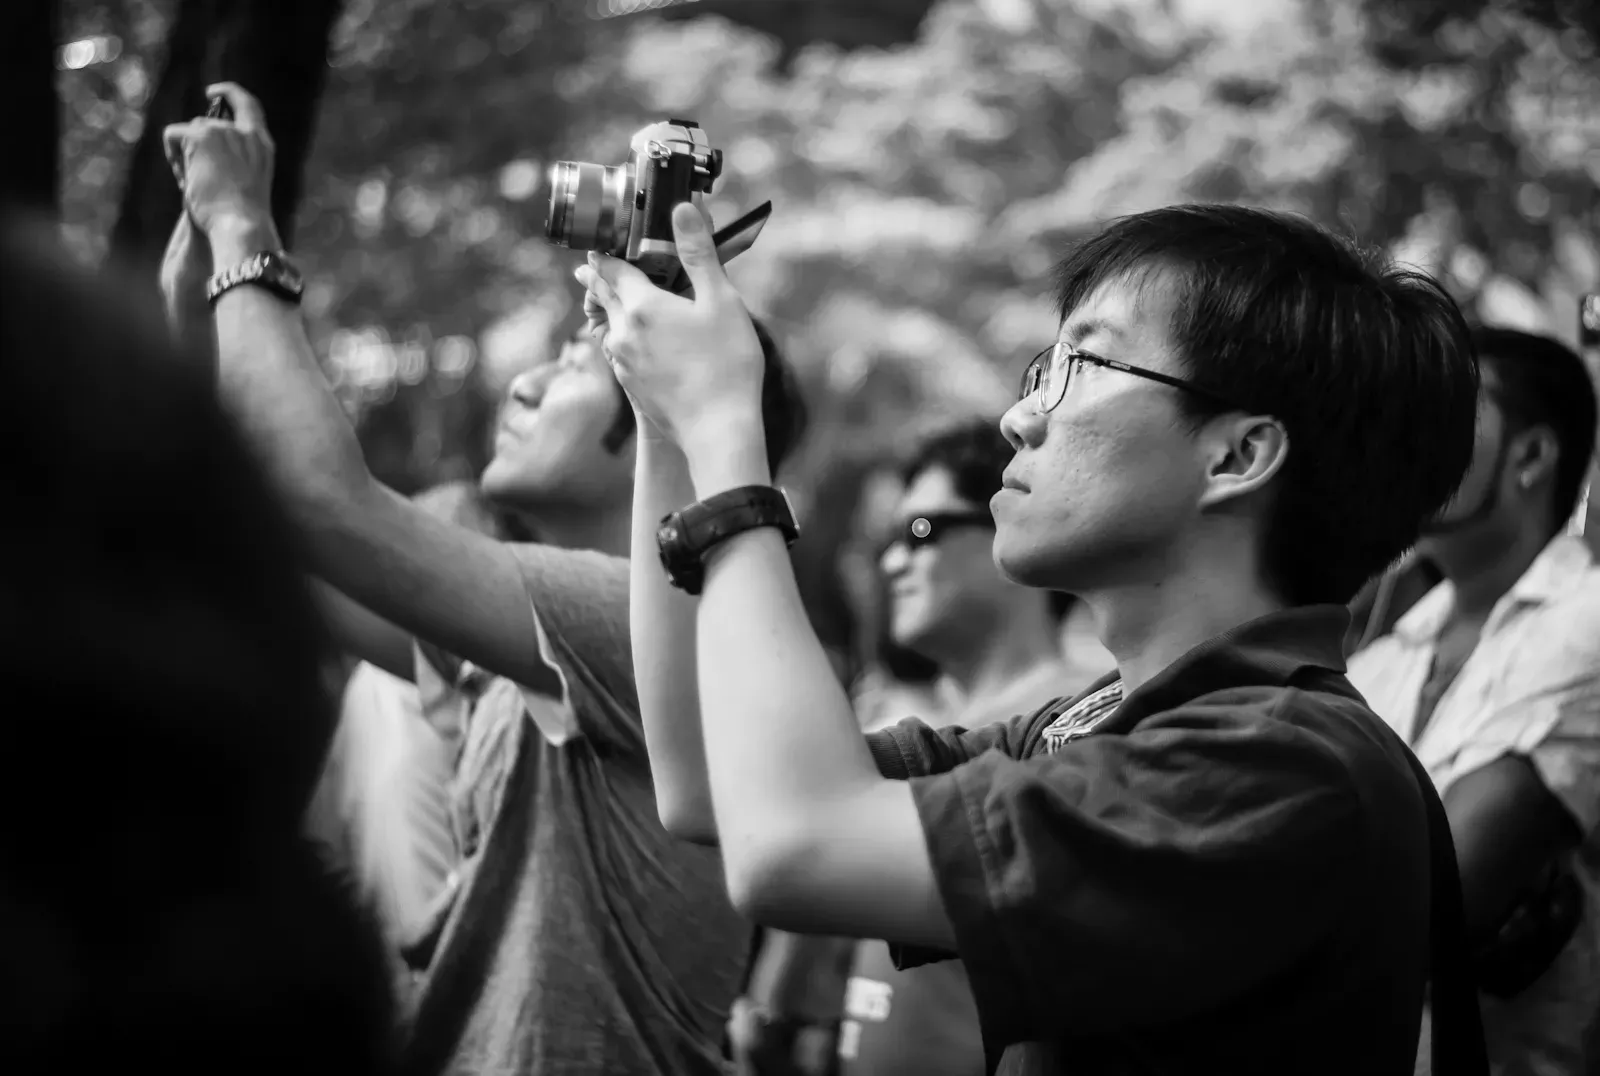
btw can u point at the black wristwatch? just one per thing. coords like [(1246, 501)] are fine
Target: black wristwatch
[(687, 535), (270, 269)]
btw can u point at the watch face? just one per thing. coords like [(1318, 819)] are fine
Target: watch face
[(669, 544), (286, 272)]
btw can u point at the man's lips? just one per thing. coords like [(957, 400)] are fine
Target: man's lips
[(515, 427), (1010, 482)]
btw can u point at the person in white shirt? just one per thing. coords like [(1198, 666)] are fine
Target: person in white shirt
[(1493, 679), (382, 808)]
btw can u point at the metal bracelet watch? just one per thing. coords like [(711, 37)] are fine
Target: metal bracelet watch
[(270, 269), (685, 537)]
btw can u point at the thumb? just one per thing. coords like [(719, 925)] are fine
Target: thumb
[(691, 230), (172, 137)]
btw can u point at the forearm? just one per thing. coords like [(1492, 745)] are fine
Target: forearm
[(1507, 828), (785, 755), (363, 634), (269, 376), (661, 621)]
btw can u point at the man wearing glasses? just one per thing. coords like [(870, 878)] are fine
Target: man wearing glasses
[(997, 648), (1217, 860)]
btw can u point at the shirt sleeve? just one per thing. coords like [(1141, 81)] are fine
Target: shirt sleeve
[(913, 748), (1550, 714), (1140, 879), (580, 612)]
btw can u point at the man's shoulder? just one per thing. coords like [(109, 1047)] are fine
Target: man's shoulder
[(1574, 614), (1322, 714), (539, 557), (582, 589), (1320, 742)]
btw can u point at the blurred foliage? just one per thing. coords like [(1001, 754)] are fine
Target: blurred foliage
[(797, 23), (921, 191)]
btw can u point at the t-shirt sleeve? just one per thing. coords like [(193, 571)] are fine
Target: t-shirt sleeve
[(580, 612), (1139, 879)]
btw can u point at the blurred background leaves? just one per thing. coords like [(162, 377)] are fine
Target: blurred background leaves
[(927, 163)]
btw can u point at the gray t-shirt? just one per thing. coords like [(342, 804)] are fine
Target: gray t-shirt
[(583, 938)]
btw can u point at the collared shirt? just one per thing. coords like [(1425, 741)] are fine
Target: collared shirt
[(1531, 687), (922, 1021), (1227, 873)]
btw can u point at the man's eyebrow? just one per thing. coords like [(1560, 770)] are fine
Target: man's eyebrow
[(1080, 329)]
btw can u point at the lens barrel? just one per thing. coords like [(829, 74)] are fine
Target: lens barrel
[(591, 206)]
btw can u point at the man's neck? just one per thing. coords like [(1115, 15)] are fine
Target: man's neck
[(1148, 628), (602, 532), (1484, 576), (1017, 644)]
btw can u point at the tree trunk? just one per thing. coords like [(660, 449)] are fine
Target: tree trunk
[(276, 49), (31, 135)]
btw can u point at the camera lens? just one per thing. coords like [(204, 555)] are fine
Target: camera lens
[(591, 206)]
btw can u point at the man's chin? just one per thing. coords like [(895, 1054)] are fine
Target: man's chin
[(1021, 566), (906, 634), (504, 486), (491, 483)]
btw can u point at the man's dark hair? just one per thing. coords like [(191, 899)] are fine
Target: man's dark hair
[(1369, 368), (974, 453), (783, 407), (171, 913), (1542, 382)]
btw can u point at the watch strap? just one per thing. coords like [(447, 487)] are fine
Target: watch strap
[(686, 536), (269, 268)]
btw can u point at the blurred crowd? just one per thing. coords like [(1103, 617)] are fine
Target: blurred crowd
[(317, 778)]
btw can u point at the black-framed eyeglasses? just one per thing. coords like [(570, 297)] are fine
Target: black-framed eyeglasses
[(929, 529), (1050, 373)]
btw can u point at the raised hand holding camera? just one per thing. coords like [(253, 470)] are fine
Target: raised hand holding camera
[(626, 210), (692, 367)]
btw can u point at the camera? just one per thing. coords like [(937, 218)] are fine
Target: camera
[(625, 210)]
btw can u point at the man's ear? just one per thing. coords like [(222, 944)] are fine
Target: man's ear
[(1245, 452), (1533, 456)]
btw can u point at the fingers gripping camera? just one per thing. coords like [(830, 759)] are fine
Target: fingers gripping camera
[(626, 210)]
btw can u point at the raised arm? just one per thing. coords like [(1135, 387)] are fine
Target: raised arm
[(662, 622), (814, 839), (441, 582)]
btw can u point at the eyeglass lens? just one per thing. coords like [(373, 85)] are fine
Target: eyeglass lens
[(1047, 377)]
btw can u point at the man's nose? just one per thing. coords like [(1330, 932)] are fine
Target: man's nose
[(894, 561), (1022, 424), (528, 387)]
